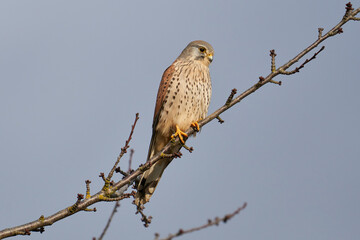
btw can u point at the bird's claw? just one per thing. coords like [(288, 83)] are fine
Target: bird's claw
[(196, 126), (180, 134)]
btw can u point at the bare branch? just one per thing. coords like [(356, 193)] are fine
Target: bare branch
[(231, 96), (117, 189), (106, 194), (220, 120), (216, 221), (297, 69), (118, 170), (124, 149), (113, 199), (145, 219)]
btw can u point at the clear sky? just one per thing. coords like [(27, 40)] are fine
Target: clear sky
[(74, 73)]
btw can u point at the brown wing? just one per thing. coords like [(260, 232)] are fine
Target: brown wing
[(164, 84)]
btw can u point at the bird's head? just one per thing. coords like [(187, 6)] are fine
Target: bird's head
[(199, 51)]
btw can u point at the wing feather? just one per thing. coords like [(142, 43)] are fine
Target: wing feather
[(164, 84)]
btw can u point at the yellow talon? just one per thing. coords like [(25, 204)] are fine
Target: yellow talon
[(180, 134), (196, 126)]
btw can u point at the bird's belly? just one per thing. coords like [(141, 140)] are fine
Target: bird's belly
[(182, 108)]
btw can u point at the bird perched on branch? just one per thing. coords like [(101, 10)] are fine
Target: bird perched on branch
[(183, 99)]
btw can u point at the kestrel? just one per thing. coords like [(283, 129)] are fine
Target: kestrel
[(183, 99)]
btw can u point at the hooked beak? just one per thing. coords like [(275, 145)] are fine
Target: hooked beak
[(210, 57)]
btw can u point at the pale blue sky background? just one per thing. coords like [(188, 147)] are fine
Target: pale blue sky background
[(74, 73)]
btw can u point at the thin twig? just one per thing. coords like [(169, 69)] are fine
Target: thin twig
[(117, 204), (231, 96), (124, 149), (145, 219), (320, 31), (273, 55), (297, 69), (216, 221)]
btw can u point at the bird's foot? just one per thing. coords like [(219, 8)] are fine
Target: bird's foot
[(180, 134), (195, 126)]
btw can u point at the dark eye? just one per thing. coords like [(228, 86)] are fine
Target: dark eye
[(202, 49)]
